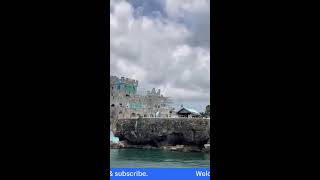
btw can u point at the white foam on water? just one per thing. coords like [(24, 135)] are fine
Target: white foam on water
[(113, 138)]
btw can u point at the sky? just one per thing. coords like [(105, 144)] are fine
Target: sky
[(164, 44)]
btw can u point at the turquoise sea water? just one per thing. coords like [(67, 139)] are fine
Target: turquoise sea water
[(113, 138), (157, 158)]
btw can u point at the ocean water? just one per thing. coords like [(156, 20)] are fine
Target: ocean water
[(146, 158)]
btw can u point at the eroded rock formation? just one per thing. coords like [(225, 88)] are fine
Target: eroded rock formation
[(162, 132)]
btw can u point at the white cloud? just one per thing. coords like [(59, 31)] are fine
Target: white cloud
[(181, 8), (162, 52)]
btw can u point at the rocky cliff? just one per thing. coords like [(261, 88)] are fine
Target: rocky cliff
[(160, 132)]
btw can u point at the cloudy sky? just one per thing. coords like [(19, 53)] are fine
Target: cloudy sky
[(163, 44)]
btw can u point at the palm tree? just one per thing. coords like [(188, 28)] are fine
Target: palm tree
[(203, 115)]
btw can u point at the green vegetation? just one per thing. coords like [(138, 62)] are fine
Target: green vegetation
[(206, 113)]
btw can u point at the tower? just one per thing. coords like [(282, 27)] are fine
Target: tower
[(123, 86)]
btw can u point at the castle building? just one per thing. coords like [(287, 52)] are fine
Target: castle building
[(126, 103)]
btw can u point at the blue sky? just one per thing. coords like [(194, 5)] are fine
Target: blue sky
[(164, 44)]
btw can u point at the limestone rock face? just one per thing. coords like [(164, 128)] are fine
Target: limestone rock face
[(118, 145), (160, 132), (206, 148)]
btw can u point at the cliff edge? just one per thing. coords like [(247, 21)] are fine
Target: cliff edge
[(162, 132)]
